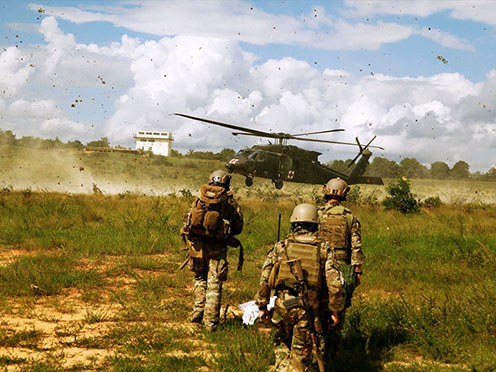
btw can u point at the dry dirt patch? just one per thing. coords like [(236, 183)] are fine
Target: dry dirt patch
[(59, 331)]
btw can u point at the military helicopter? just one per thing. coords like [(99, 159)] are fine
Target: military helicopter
[(282, 162)]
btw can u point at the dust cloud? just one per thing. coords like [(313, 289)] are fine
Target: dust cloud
[(66, 172)]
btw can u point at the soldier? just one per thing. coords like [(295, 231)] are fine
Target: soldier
[(342, 231), (208, 226), (293, 340)]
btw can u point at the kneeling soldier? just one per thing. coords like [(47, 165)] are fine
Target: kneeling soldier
[(302, 271)]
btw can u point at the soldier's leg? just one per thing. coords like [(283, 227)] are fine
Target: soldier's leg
[(333, 338), (283, 324), (301, 343), (200, 269), (217, 273), (282, 343)]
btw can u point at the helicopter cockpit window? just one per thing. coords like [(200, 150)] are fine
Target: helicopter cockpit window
[(254, 155), (242, 153)]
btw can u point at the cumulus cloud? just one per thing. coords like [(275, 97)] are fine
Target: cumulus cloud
[(41, 118), (14, 71), (241, 21)]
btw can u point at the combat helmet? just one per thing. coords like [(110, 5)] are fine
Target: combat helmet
[(219, 178), (336, 188), (304, 215)]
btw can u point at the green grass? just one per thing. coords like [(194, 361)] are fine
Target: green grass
[(426, 303), (44, 275)]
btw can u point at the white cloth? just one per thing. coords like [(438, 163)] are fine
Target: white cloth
[(250, 310)]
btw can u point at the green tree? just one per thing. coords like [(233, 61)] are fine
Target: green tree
[(490, 175), (7, 138), (102, 142), (460, 170), (411, 168), (383, 167), (340, 165), (226, 154), (76, 144), (439, 169)]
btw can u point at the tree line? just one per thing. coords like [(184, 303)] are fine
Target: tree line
[(412, 168), (379, 166)]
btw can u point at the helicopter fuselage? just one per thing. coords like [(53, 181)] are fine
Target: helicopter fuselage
[(282, 163)]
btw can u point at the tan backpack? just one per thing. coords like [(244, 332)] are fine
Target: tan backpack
[(207, 214)]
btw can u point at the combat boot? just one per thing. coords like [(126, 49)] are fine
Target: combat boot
[(197, 316)]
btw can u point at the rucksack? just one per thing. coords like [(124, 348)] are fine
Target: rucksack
[(208, 213)]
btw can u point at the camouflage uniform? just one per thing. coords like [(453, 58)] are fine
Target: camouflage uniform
[(342, 230), (210, 266), (293, 343)]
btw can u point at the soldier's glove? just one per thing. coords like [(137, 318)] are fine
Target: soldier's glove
[(334, 319), (264, 315), (358, 276)]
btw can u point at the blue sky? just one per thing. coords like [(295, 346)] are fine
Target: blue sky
[(288, 65)]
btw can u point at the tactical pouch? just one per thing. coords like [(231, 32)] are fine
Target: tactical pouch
[(196, 249), (211, 221), (197, 217), (293, 302)]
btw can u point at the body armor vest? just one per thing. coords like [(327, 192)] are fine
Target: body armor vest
[(307, 249), (335, 224)]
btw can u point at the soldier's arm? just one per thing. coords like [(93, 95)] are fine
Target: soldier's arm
[(236, 217), (186, 219), (334, 286), (356, 244), (263, 294)]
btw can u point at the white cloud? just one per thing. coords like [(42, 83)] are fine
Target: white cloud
[(14, 71), (241, 21), (42, 118), (59, 44), (476, 10)]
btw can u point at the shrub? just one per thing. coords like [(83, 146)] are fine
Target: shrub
[(432, 202), (354, 196), (401, 198)]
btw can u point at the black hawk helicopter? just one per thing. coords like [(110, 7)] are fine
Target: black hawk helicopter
[(282, 162)]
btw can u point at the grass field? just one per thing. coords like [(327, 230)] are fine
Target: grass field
[(89, 281)]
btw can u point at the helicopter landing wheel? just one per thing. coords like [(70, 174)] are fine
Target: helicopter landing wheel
[(278, 184), (248, 181)]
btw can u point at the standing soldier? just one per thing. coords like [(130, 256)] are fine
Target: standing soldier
[(342, 231), (298, 326), (208, 228)]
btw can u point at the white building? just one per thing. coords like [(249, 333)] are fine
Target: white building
[(159, 143)]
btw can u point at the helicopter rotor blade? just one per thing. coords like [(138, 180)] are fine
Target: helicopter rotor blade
[(323, 131), (279, 136), (230, 126), (335, 142), (266, 135), (359, 145), (362, 149)]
